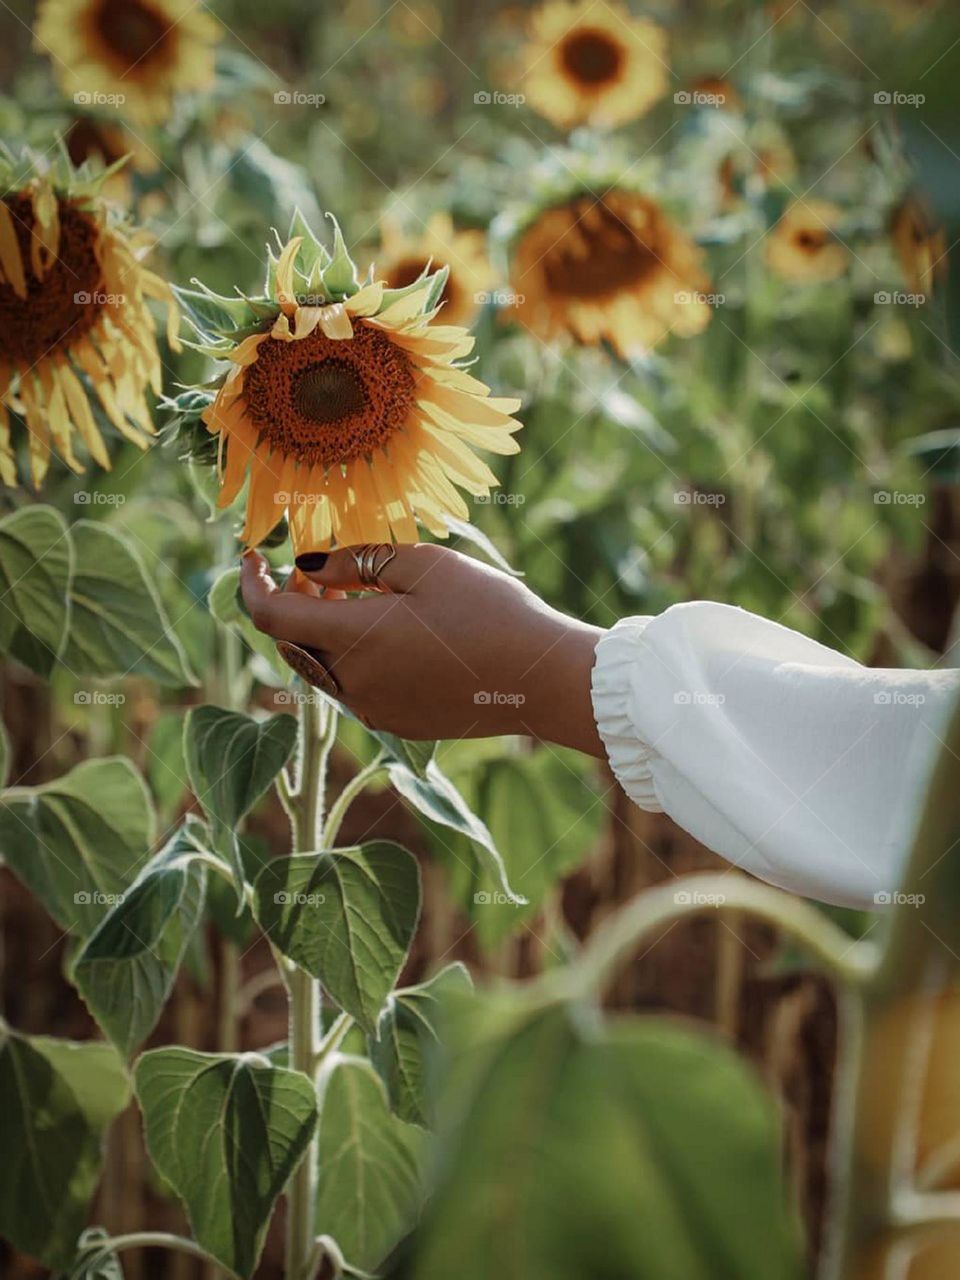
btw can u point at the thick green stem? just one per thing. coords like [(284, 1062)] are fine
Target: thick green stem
[(318, 726)]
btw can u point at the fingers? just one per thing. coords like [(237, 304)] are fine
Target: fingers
[(339, 570), (313, 620)]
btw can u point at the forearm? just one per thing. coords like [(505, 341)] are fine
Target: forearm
[(557, 704)]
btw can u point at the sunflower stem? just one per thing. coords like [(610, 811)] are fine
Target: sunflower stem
[(318, 727)]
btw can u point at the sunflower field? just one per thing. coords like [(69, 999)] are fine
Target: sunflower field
[(646, 302)]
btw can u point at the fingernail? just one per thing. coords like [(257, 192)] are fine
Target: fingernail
[(312, 561)]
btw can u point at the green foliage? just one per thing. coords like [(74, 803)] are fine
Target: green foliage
[(232, 759), (35, 570), (78, 842), (370, 1185), (347, 917), (127, 966), (59, 1097), (226, 1131), (571, 1149)]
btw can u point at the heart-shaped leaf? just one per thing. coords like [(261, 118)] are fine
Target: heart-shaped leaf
[(78, 842), (231, 760), (346, 917), (58, 1098), (370, 1190), (223, 604), (36, 560), (226, 1131), (126, 968), (434, 795), (406, 1031), (118, 625)]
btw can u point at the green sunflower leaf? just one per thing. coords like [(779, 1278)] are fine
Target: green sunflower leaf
[(211, 315), (312, 252), (226, 1131), (370, 1189), (434, 796), (231, 761), (36, 565), (346, 917), (223, 604), (78, 842), (406, 1031), (119, 626), (59, 1096), (126, 968)]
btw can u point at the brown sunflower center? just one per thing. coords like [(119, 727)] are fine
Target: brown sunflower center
[(591, 57), (811, 239), (326, 401), (132, 31), (65, 304), (616, 257)]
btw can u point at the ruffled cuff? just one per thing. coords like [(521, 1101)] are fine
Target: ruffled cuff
[(630, 758)]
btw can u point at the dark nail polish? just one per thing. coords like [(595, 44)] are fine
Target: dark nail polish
[(312, 561)]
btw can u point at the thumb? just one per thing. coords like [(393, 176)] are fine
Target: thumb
[(396, 569)]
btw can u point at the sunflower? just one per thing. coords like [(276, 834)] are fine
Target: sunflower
[(609, 268), (592, 62), (348, 408), (803, 246), (404, 259), (74, 323), (138, 54), (921, 247)]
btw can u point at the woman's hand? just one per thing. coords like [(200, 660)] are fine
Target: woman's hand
[(450, 649)]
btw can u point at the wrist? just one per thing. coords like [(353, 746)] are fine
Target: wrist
[(558, 706)]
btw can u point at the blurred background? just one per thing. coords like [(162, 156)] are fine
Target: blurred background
[(769, 419)]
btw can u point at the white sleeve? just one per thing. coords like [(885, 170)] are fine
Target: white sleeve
[(788, 759)]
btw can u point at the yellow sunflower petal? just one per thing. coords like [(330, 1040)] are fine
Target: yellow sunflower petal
[(335, 322), (285, 291), (82, 415), (10, 260)]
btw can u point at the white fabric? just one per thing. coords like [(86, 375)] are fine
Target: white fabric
[(788, 759)]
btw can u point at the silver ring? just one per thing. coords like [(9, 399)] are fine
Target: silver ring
[(371, 560)]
